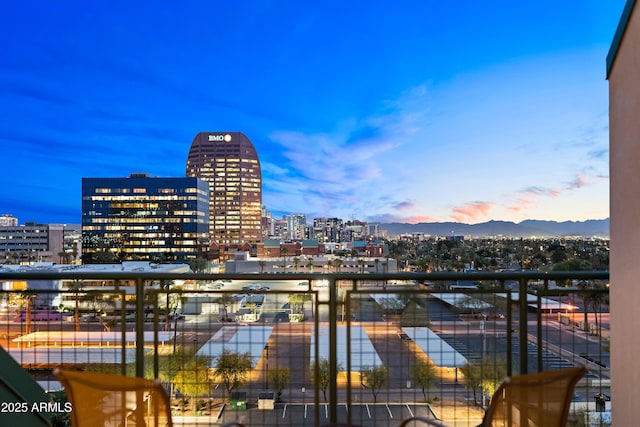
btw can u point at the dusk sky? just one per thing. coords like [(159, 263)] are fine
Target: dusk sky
[(410, 111)]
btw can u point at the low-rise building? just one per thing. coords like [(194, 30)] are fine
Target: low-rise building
[(324, 263), (33, 242), (94, 294)]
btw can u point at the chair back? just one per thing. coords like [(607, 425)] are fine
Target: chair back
[(534, 400), (114, 400)]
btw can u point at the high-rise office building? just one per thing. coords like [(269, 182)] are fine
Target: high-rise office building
[(229, 163), (268, 224), (327, 229), (144, 218), (296, 226)]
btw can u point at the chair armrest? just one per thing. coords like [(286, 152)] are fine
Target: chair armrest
[(429, 421)]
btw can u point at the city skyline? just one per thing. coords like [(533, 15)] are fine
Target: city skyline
[(415, 112)]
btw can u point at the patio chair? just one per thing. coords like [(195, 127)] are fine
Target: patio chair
[(114, 400), (415, 420), (533, 400), (541, 400)]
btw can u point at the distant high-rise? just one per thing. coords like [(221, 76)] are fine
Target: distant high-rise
[(327, 229), (7, 220), (229, 163), (296, 225)]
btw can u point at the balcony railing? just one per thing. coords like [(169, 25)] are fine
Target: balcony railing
[(366, 349)]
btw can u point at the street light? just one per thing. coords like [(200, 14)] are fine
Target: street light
[(266, 368), (483, 329), (408, 384)]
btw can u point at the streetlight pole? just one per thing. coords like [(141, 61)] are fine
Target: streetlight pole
[(483, 328), (408, 346), (266, 368)]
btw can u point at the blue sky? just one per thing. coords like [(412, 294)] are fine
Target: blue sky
[(416, 110)]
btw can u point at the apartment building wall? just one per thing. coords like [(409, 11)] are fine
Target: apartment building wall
[(623, 64)]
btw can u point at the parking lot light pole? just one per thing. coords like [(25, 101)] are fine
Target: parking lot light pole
[(266, 368)]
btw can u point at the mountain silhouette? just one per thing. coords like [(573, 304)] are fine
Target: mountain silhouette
[(527, 228)]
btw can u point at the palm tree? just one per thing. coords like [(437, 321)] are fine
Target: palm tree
[(586, 293), (296, 263), (76, 287), (165, 285), (597, 297), (329, 264), (262, 264), (284, 250), (27, 325)]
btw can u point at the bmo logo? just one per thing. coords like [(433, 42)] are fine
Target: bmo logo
[(220, 138)]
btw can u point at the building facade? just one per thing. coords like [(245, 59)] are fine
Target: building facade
[(327, 229), (144, 218), (229, 163), (7, 220), (623, 62), (296, 226), (32, 242), (268, 224)]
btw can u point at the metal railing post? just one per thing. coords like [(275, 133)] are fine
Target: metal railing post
[(509, 334), (347, 301), (539, 331), (156, 316), (316, 365), (523, 305), (333, 351), (139, 327)]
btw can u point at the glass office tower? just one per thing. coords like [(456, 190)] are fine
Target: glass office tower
[(229, 163), (144, 218)]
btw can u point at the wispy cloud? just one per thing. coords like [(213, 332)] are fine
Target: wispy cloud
[(540, 191), (336, 171), (586, 178), (412, 219), (521, 205), (404, 206), (472, 211)]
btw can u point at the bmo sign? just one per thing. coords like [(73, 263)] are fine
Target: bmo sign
[(220, 138)]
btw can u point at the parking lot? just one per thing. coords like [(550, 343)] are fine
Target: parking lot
[(303, 414)]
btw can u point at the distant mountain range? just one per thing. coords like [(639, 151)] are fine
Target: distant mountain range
[(528, 228)]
